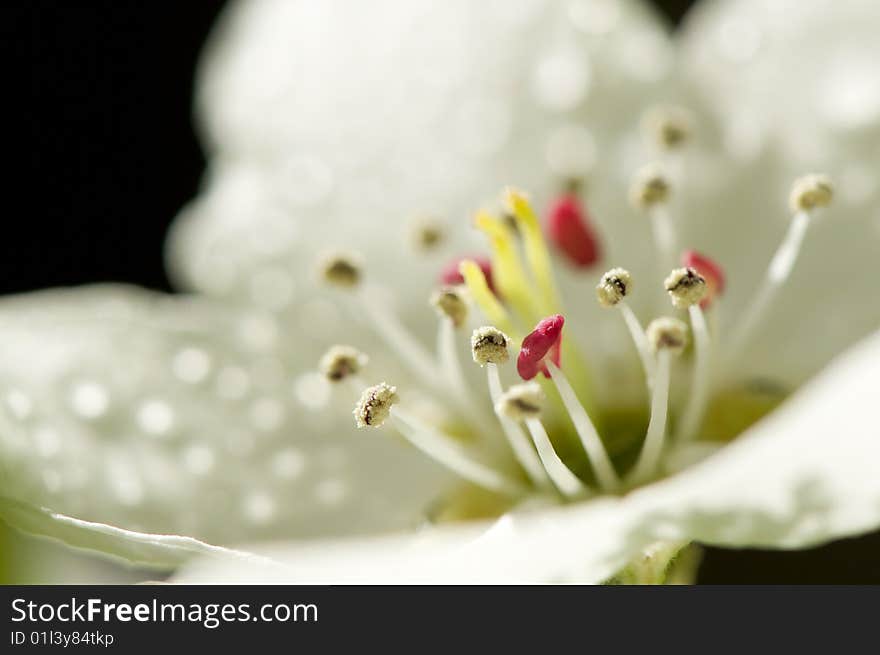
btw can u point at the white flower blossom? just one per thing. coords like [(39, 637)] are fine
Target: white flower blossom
[(130, 418)]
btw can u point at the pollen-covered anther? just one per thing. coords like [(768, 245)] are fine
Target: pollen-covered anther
[(810, 192), (374, 406), (613, 287), (489, 345), (449, 302), (427, 234), (669, 127), (667, 333), (544, 342), (650, 187), (521, 402), (710, 270), (686, 287), (340, 362), (340, 269)]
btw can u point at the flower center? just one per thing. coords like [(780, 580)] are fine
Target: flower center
[(548, 438)]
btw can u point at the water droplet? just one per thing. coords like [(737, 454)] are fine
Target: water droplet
[(89, 399), (19, 404), (288, 464), (331, 491), (267, 414), (155, 417), (191, 365), (562, 80), (571, 151), (47, 441), (259, 507), (272, 288), (312, 390), (52, 481), (233, 383), (199, 459), (258, 332)]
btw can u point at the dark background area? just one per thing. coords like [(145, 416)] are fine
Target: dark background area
[(111, 157)]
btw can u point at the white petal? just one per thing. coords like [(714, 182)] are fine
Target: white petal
[(805, 475), (739, 57), (340, 123), (172, 415)]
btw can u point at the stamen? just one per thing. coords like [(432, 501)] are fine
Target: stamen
[(378, 403), (569, 229), (807, 194), (524, 402), (506, 266), (668, 127), (454, 309), (489, 346), (650, 192), (611, 291), (686, 287), (427, 234), (475, 280), (449, 304), (519, 442), (340, 269), (606, 476), (810, 192), (699, 393), (543, 342), (667, 336), (341, 362), (374, 406), (709, 270), (535, 247), (397, 336)]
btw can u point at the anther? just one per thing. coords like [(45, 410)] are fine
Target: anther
[(709, 270), (650, 187), (341, 362), (569, 228), (489, 346), (449, 303), (521, 402), (668, 334), (543, 342), (669, 127), (427, 234), (340, 269), (810, 192), (686, 287), (374, 407), (613, 287)]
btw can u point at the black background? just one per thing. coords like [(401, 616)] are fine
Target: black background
[(106, 114)]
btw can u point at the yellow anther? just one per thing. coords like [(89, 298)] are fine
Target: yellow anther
[(535, 247), (476, 283), (507, 269)]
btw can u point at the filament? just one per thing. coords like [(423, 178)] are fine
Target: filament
[(696, 404), (439, 447), (564, 480), (652, 449), (592, 443)]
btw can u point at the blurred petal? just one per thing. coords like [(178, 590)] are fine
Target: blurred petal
[(172, 415), (340, 124), (805, 475), (738, 58), (161, 551)]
